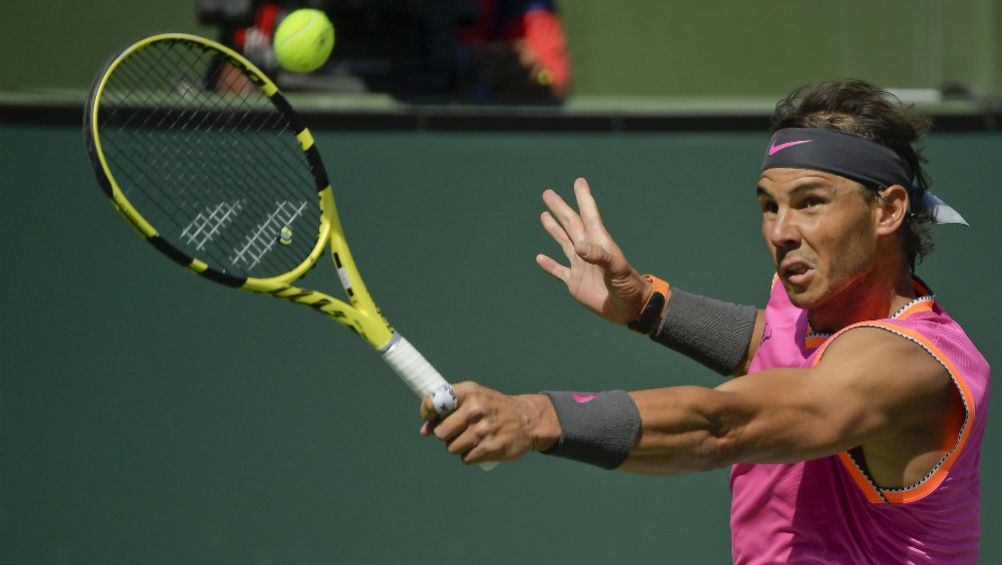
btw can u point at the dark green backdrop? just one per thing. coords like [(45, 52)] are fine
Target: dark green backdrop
[(148, 416)]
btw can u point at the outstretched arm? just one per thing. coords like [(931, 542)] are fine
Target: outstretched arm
[(871, 388)]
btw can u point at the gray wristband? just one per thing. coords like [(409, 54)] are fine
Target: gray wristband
[(599, 429), (712, 332)]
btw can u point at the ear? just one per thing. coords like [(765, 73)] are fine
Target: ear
[(892, 206)]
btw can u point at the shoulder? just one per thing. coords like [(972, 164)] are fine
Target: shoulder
[(882, 347), (895, 371)]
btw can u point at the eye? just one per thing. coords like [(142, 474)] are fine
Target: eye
[(768, 206), (811, 201)]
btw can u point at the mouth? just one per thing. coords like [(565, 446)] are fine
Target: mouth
[(796, 272)]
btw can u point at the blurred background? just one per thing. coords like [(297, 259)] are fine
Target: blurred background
[(147, 416), (640, 51)]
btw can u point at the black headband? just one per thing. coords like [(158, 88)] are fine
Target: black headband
[(855, 158)]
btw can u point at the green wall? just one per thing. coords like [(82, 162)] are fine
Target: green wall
[(721, 47), (63, 45), (640, 47), (149, 416)]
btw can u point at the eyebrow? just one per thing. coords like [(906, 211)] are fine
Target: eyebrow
[(806, 187)]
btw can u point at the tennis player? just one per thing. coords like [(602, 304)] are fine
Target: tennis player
[(854, 430)]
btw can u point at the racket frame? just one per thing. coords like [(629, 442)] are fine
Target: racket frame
[(361, 316)]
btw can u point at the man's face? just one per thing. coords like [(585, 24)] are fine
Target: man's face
[(821, 232)]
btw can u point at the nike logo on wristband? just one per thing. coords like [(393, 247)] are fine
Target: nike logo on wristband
[(583, 398), (773, 149)]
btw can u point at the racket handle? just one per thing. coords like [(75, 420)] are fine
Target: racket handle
[(417, 372)]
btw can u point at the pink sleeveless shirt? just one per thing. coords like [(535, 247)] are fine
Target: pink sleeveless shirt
[(828, 510)]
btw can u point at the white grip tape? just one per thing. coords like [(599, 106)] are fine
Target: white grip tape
[(418, 373), (412, 367)]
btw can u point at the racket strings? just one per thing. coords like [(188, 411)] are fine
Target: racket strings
[(183, 121), (226, 166), (208, 160)]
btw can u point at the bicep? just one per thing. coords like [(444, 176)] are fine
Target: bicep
[(869, 384), (784, 415)]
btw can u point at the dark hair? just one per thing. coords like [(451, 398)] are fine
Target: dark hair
[(858, 108)]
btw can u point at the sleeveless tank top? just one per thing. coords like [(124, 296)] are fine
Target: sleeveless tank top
[(829, 510)]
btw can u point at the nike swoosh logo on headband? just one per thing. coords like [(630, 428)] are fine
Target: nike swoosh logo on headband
[(773, 149)]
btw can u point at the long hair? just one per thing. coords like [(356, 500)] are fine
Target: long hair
[(858, 108)]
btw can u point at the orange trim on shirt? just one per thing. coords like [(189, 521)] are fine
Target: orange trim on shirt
[(930, 484), (861, 480), (814, 341), (920, 306)]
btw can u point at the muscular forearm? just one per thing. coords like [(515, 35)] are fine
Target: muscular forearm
[(662, 431), (776, 416), (667, 431), (683, 430)]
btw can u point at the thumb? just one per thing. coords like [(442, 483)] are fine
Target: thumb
[(594, 254), (612, 262)]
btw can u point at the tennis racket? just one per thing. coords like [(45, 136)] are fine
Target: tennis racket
[(202, 154)]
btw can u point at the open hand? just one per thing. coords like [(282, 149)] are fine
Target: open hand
[(598, 275)]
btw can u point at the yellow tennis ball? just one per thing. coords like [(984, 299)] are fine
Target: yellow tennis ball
[(303, 40)]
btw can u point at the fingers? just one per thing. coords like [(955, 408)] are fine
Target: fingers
[(577, 232), (478, 443), (552, 268), (474, 430), (558, 234), (569, 220), (428, 409), (587, 207), (469, 444), (427, 428), (463, 432), (599, 249)]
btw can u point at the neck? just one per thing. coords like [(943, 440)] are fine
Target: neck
[(874, 295)]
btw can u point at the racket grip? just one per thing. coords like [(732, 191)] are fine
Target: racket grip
[(417, 372)]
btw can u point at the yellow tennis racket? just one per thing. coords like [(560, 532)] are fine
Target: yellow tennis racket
[(203, 155)]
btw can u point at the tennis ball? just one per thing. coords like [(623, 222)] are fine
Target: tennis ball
[(303, 40)]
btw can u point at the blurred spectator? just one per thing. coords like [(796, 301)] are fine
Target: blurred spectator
[(472, 49), (521, 47)]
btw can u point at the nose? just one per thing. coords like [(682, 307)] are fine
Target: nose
[(782, 231)]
